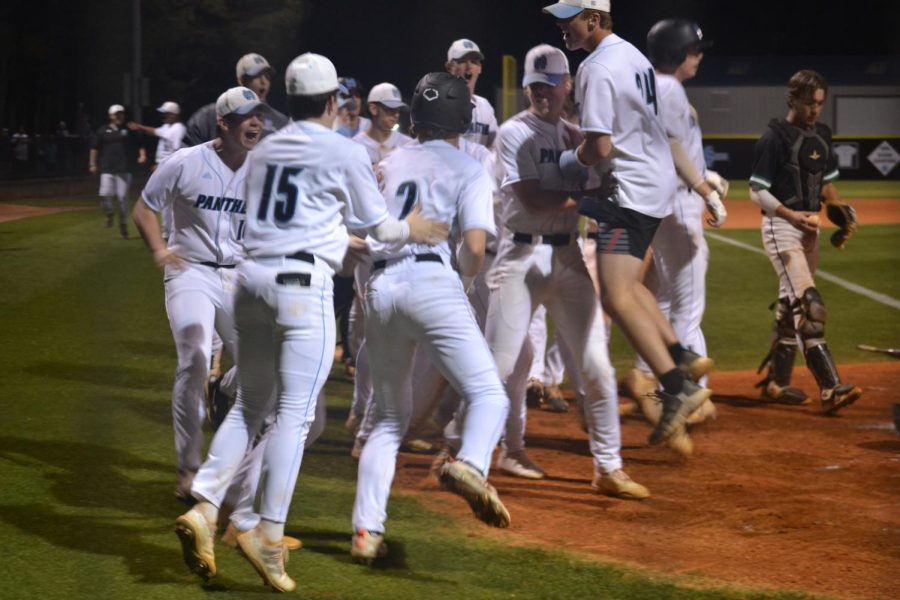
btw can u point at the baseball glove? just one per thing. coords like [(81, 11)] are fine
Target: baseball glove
[(844, 216)]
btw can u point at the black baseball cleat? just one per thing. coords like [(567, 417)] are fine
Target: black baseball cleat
[(676, 409), (837, 398)]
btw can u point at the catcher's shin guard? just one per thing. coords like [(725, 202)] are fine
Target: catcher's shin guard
[(780, 359), (834, 394), (821, 364)]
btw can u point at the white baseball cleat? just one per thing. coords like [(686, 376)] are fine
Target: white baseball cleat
[(367, 546), (267, 559), (196, 537), (465, 480), (519, 465)]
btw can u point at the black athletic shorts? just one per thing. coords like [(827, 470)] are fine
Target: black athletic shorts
[(622, 230)]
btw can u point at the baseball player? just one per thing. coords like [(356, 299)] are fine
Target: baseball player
[(203, 187), (680, 253), (114, 153), (413, 296), (305, 185), (794, 169), (539, 261), (170, 133), (253, 71), (380, 139), (385, 104), (464, 60), (626, 141), (349, 122)]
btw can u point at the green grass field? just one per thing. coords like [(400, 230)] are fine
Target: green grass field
[(848, 189), (86, 460)]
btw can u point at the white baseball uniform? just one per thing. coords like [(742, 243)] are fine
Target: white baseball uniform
[(680, 253), (616, 94), (171, 136), (428, 383), (378, 151), (414, 297), (208, 208), (306, 185), (483, 129), (539, 261)]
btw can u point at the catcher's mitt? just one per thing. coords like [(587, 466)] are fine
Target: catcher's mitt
[(844, 216)]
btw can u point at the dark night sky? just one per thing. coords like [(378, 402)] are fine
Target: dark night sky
[(57, 54)]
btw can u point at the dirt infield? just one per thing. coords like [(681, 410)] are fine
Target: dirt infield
[(12, 212), (744, 214), (775, 497)]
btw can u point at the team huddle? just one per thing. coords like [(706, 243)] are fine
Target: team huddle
[(457, 237)]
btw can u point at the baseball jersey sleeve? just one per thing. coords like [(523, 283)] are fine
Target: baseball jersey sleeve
[(595, 94), (159, 193), (766, 160), (674, 109), (516, 156), (365, 205), (476, 202)]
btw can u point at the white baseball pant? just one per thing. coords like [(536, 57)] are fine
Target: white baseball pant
[(526, 275), (422, 303), (199, 299), (286, 339), (680, 260)]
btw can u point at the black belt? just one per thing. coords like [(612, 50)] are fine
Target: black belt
[(304, 256), (551, 239), (430, 257), (217, 265)]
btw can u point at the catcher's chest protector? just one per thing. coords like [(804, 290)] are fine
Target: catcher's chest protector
[(808, 154)]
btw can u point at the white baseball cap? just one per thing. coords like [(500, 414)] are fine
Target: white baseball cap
[(116, 108), (310, 75), (169, 107), (387, 94), (462, 48), (545, 64), (566, 9), (237, 100), (251, 65)]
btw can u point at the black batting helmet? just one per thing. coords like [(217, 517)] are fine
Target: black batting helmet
[(670, 39), (441, 101)]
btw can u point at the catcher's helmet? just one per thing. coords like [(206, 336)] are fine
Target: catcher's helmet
[(443, 101), (670, 39)]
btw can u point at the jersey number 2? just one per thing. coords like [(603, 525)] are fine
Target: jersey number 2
[(286, 193), (648, 88)]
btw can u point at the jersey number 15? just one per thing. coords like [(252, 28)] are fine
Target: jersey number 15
[(285, 193)]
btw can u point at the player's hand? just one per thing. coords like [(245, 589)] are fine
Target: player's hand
[(93, 169), (718, 183), (426, 231), (133, 126), (716, 209), (167, 257), (806, 222)]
